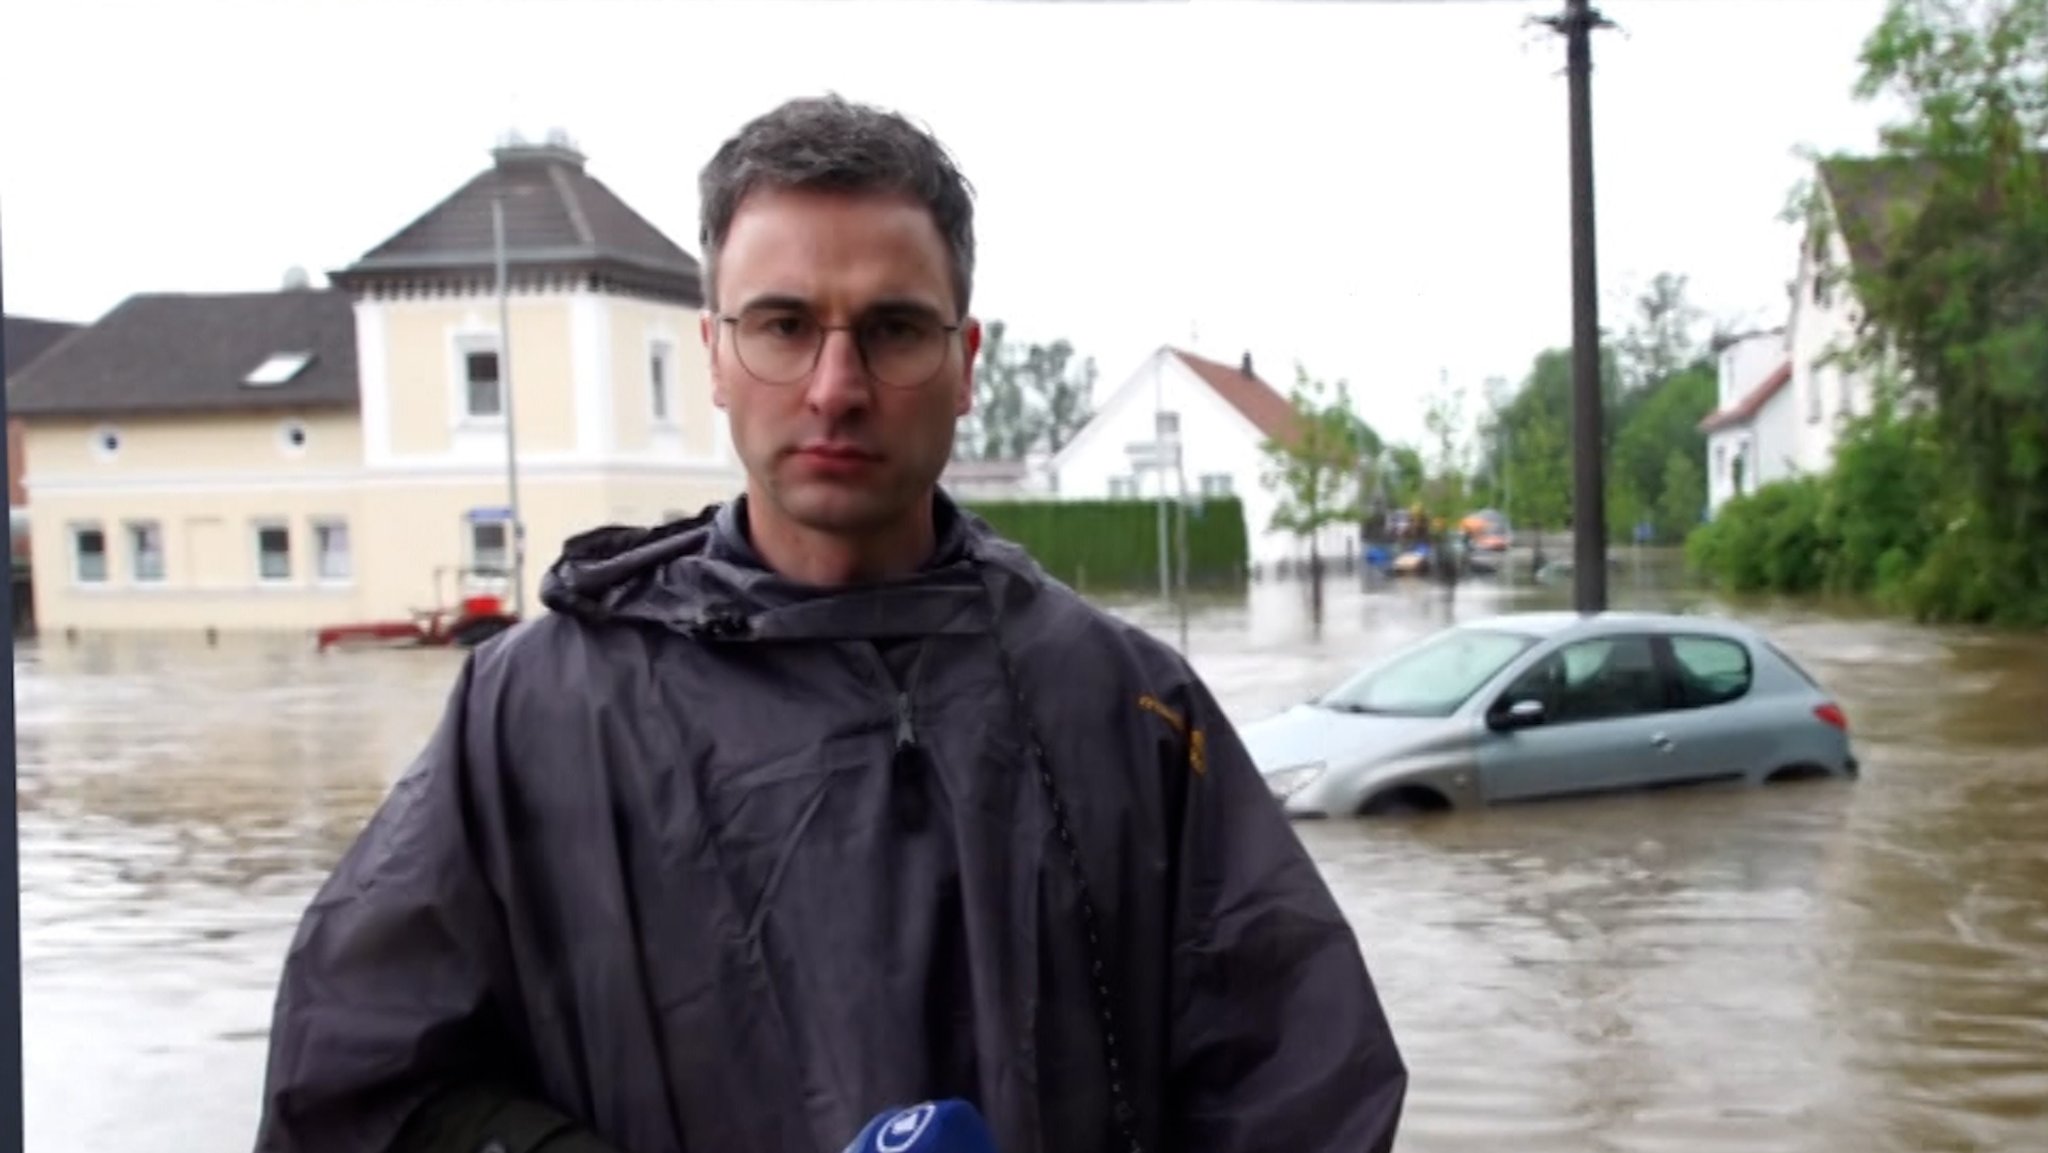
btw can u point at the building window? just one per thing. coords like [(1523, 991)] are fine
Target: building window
[(1166, 424), (1814, 384), (483, 386), (1123, 487), (291, 437), (332, 563), (660, 359), (490, 547), (89, 554), (1216, 484), (277, 370), (106, 442), (146, 551), (1822, 284), (273, 552)]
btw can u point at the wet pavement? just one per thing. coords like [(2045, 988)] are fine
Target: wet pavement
[(1820, 967)]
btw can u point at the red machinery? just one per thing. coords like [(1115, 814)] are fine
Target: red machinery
[(474, 619)]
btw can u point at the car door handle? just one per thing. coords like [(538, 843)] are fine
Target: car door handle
[(1662, 743)]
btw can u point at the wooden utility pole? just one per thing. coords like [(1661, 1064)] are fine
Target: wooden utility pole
[(1589, 485)]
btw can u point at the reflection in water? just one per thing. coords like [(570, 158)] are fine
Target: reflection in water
[(1805, 968)]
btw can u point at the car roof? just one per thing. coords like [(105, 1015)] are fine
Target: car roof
[(1547, 625)]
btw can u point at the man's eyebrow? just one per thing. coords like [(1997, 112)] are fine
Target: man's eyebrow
[(900, 305), (887, 306), (774, 302)]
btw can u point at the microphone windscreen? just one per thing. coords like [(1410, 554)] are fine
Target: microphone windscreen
[(949, 1126)]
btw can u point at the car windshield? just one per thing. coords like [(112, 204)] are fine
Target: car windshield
[(1433, 678)]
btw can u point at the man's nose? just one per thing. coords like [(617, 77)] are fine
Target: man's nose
[(840, 383)]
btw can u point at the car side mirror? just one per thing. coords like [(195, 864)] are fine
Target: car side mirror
[(1523, 714)]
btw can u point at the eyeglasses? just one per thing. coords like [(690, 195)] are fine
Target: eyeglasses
[(901, 349)]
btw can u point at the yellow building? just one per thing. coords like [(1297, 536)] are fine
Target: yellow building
[(307, 457)]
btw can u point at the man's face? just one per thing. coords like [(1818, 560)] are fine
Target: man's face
[(849, 447)]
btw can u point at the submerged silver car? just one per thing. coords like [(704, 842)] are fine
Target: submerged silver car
[(1539, 705)]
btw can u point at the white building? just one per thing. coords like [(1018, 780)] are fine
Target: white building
[(1223, 416), (1753, 433), (1785, 394)]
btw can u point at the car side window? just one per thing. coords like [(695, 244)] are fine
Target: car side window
[(1595, 680), (1711, 670)]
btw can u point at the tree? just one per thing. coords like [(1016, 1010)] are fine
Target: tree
[(1065, 392), (1937, 501), (1315, 469), (1659, 383), (1957, 298), (1444, 492), (1683, 500), (1664, 335), (1026, 397)]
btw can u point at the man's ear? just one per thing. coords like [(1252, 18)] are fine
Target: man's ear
[(970, 352), (707, 328)]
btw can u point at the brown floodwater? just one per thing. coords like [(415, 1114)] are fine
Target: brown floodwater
[(1815, 968)]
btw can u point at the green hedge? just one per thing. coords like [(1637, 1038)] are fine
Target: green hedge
[(1114, 544)]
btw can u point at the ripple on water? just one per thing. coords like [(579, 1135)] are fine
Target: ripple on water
[(1822, 969)]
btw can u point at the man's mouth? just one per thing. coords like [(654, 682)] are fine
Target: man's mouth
[(836, 452)]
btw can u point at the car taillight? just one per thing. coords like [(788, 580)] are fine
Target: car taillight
[(1832, 716)]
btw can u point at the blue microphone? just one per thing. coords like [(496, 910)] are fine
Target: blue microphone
[(949, 1126)]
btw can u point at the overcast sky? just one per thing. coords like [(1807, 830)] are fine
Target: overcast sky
[(1377, 190)]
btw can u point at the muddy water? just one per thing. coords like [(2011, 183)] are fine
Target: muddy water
[(1810, 968)]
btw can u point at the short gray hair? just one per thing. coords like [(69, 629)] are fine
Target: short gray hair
[(828, 143)]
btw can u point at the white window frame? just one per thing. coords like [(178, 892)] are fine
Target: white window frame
[(256, 530), (130, 531), (465, 345), (661, 382), (1209, 487), (320, 528), (76, 532)]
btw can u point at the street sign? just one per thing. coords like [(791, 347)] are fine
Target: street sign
[(1153, 456)]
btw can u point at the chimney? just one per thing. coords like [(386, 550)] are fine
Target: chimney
[(1246, 366), (514, 150)]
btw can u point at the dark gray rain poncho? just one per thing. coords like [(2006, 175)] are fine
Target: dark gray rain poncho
[(704, 861)]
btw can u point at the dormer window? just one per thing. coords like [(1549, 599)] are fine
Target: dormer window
[(280, 369)]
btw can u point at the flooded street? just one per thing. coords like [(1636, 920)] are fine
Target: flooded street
[(1813, 968)]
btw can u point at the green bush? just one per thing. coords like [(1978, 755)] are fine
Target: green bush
[(1767, 541), (1114, 544), (1889, 522)]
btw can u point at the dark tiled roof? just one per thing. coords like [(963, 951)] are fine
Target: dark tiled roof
[(27, 339), (1745, 410), (558, 218), (1874, 197), (165, 353), (1870, 196), (1269, 412)]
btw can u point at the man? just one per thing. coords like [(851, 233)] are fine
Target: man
[(828, 799)]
